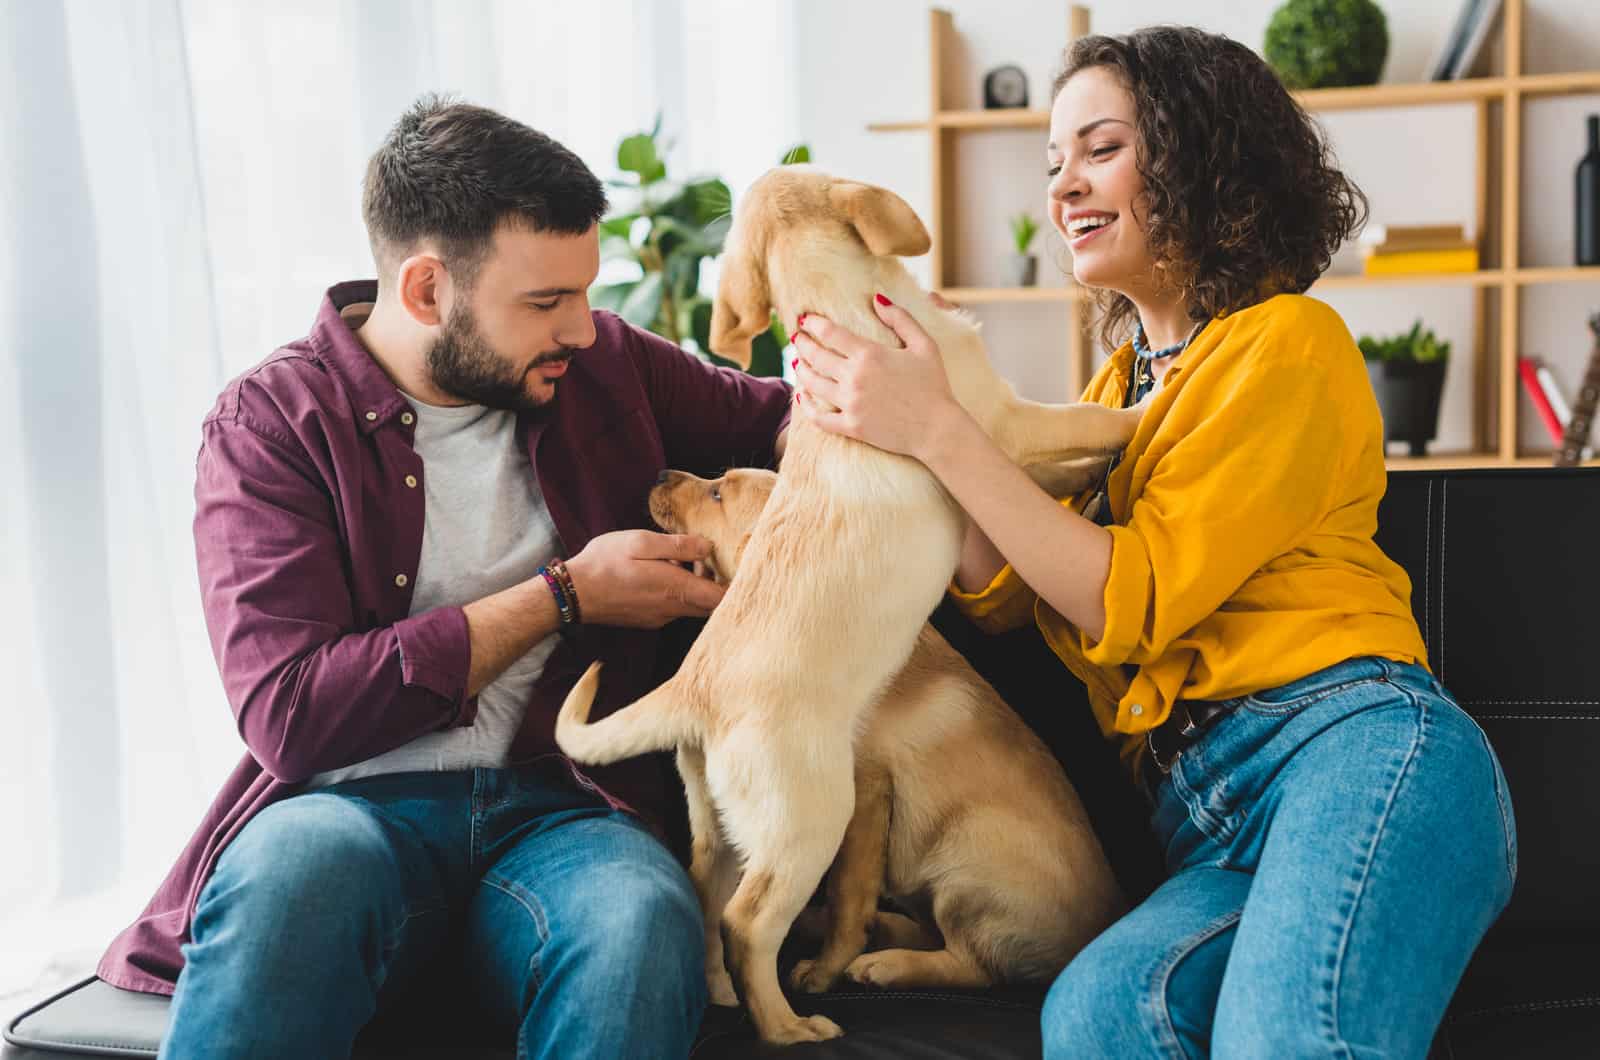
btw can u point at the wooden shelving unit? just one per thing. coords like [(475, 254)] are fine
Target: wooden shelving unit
[(1495, 389)]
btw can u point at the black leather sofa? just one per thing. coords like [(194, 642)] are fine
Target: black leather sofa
[(1505, 567)]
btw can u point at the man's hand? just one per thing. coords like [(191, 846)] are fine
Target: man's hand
[(634, 578)]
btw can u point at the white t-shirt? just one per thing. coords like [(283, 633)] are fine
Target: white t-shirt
[(486, 528)]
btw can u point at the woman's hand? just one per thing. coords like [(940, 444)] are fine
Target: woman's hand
[(895, 399)]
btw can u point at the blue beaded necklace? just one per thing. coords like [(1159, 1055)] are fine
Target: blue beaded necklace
[(1142, 349)]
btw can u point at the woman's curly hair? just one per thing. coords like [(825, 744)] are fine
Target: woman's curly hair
[(1243, 198)]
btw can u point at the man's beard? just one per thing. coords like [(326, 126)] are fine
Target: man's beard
[(464, 366)]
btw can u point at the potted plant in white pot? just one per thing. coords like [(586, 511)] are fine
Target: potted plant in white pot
[(1024, 267), (1407, 373)]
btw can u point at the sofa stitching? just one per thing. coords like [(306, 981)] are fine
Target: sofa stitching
[(1427, 568), (1444, 538), (1529, 1006), (1537, 717), (1514, 702)]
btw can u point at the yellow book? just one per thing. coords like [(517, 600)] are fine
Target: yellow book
[(1464, 259)]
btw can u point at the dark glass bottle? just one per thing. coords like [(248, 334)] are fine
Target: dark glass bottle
[(1588, 234)]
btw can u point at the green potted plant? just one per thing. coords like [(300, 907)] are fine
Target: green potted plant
[(1024, 267), (667, 228), (1407, 373), (1327, 43)]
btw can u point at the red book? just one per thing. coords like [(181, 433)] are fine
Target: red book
[(1528, 367)]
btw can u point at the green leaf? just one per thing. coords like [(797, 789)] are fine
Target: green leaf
[(611, 295), (643, 303), (799, 153), (618, 225), (766, 350), (699, 323), (637, 154), (709, 200), (616, 248)]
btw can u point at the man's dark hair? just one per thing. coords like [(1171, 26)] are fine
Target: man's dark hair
[(1243, 196), (453, 172)]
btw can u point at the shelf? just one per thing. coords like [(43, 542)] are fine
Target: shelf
[(1421, 93), (1559, 84), (1461, 461), (1559, 274), (1482, 278), (978, 295)]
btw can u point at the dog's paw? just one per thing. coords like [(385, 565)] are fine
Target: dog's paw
[(812, 977), (804, 1029), (721, 990), (874, 969)]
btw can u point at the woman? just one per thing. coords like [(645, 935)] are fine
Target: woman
[(1337, 832)]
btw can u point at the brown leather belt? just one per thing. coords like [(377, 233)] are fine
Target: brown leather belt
[(1187, 722)]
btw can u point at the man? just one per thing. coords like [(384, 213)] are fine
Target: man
[(379, 512)]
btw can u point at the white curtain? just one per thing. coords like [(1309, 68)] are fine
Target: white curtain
[(179, 182)]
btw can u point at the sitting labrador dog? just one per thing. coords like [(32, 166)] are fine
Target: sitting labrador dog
[(850, 557), (962, 816)]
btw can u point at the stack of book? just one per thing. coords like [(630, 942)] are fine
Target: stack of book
[(1391, 250)]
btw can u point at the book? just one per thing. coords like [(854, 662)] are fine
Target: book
[(1553, 394), (1462, 259), (1399, 237), (1463, 44), (1528, 368)]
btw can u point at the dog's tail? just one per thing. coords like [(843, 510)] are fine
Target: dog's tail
[(657, 722)]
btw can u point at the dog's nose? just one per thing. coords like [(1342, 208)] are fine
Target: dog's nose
[(661, 479)]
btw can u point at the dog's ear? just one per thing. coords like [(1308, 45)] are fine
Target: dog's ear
[(885, 222), (743, 306)]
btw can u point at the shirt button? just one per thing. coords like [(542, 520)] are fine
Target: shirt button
[(406, 418), (372, 415), (1136, 710), (411, 480), (400, 580)]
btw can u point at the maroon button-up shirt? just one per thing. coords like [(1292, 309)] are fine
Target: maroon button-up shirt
[(304, 526)]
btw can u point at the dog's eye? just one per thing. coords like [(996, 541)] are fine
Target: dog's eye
[(716, 493)]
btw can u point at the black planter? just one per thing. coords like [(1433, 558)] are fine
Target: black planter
[(1408, 394)]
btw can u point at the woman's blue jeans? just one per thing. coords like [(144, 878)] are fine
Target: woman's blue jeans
[(572, 929), (1337, 847)]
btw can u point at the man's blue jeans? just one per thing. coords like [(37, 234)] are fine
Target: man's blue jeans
[(573, 929), (1337, 848)]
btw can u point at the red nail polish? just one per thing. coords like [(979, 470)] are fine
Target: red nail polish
[(882, 300), (795, 363), (801, 322)]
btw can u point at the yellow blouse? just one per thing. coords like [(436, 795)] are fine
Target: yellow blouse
[(1243, 555)]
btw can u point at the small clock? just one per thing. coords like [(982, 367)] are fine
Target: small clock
[(1005, 86)]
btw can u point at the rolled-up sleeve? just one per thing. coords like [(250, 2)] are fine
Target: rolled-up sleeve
[(1006, 603), (310, 689), (1252, 476)]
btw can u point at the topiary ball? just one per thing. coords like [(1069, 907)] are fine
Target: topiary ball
[(1327, 43)]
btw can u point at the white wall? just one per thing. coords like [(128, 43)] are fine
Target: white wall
[(859, 63)]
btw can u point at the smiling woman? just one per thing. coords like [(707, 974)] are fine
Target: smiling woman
[(1227, 557)]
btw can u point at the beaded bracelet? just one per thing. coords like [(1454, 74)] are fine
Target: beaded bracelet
[(559, 569), (565, 608)]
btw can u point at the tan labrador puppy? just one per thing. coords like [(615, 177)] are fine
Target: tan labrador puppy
[(851, 555), (962, 816)]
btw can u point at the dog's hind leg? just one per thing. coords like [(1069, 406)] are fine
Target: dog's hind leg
[(782, 868), (713, 868), (855, 882)]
